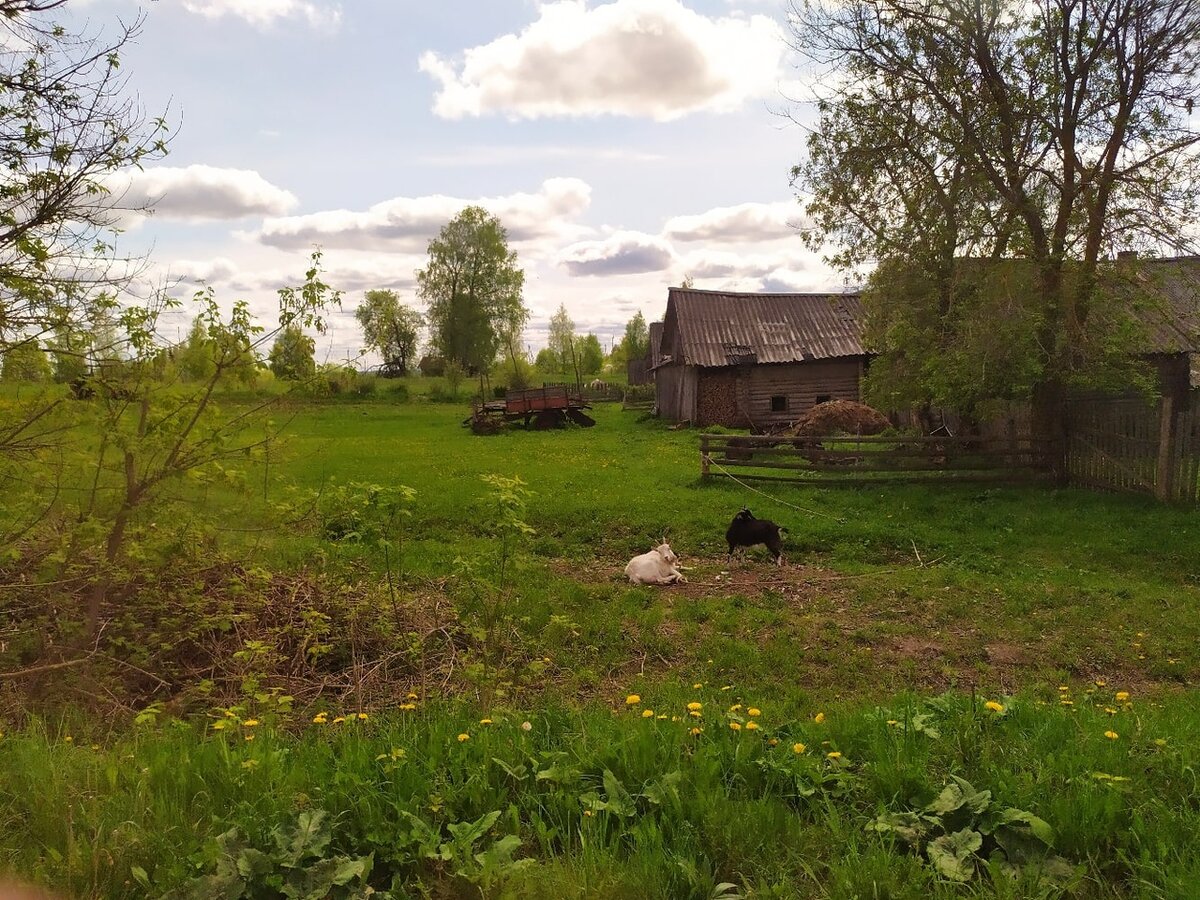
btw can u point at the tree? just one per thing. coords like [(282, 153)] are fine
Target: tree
[(67, 128), (292, 355), (637, 337), (472, 287), (390, 328), (591, 355), (561, 342), (25, 362), (1052, 131)]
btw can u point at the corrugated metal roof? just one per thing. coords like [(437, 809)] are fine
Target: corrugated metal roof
[(1172, 318), (722, 328)]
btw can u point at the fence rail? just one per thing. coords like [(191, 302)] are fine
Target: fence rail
[(1134, 446), (832, 460)]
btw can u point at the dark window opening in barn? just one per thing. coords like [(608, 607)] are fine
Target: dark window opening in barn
[(779, 404), (823, 398)]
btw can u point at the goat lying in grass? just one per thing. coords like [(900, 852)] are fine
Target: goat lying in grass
[(746, 531), (655, 567)]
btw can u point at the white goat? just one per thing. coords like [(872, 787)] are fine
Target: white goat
[(655, 567)]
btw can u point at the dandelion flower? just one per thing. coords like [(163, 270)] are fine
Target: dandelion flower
[(753, 712), (697, 686), (633, 700), (411, 696), (463, 737), (735, 707), (1065, 702), (320, 718), (647, 714), (798, 748), (94, 746), (728, 687), (696, 731), (250, 737), (68, 739), (752, 726), (833, 754), (774, 742), (695, 713), (994, 706), (819, 718), (408, 706), (662, 716), (736, 726), (362, 717), (250, 723), (219, 725), (1110, 710), (694, 706), (1062, 688), (893, 722), (1111, 735), (526, 726), (338, 720), (588, 813), (485, 721), (1100, 682), (1122, 696)]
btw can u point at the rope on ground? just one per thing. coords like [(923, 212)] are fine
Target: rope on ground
[(804, 509)]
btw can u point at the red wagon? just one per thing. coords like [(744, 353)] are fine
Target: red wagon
[(551, 406)]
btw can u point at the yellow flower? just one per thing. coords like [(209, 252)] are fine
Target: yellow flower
[(485, 721), (1111, 735), (695, 713), (68, 739), (752, 726), (1065, 702), (735, 707), (1100, 682), (1160, 742), (834, 754), (632, 700), (663, 716), (362, 717), (250, 737), (94, 746), (774, 742), (736, 726), (1110, 710), (463, 737), (892, 722), (994, 706), (338, 720), (588, 813), (694, 706), (250, 723), (647, 714), (798, 748), (526, 726), (696, 731), (819, 718), (1063, 688), (753, 712), (320, 718), (1122, 696), (728, 687), (697, 686), (408, 706), (412, 696), (218, 725)]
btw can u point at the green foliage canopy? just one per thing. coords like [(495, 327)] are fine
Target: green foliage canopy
[(390, 328), (472, 289)]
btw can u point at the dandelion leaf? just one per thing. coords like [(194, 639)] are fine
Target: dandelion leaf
[(959, 794), (618, 799), (316, 881), (907, 826), (465, 834), (309, 838), (953, 855), (664, 791)]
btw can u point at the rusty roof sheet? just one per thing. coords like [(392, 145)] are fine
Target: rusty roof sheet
[(723, 328)]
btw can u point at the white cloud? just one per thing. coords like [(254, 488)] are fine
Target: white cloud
[(621, 253), (750, 222), (408, 223), (199, 193), (653, 58), (264, 13), (209, 271)]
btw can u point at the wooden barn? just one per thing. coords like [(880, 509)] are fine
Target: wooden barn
[(742, 359)]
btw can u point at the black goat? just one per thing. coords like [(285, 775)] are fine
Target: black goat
[(746, 531)]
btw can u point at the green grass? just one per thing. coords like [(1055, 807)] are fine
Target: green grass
[(721, 806), (896, 592)]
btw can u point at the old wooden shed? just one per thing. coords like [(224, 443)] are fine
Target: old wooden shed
[(750, 359)]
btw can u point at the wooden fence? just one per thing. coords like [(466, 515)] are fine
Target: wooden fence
[(871, 460), (1134, 446)]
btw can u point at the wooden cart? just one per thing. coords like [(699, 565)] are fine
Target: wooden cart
[(551, 406)]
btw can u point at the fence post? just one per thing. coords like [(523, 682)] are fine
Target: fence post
[(1167, 449), (704, 456)]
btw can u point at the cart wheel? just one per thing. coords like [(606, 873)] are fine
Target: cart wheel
[(548, 418)]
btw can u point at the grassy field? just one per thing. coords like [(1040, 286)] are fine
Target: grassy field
[(901, 613)]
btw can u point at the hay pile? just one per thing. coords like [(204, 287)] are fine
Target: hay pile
[(840, 417)]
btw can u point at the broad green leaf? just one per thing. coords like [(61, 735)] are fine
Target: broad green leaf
[(619, 801), (953, 855), (907, 826), (1039, 827)]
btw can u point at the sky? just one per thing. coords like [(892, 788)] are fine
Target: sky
[(624, 144)]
